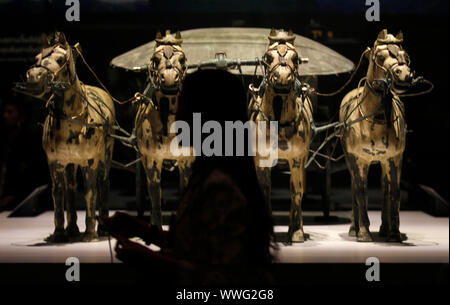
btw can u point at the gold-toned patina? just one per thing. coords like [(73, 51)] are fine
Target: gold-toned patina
[(156, 113), (74, 136), (279, 98), (375, 131)]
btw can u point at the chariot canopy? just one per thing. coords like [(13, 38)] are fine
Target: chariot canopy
[(246, 45)]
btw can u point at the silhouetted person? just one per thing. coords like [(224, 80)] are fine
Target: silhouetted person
[(221, 233), (19, 155)]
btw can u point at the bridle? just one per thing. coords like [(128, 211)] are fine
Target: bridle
[(281, 60), (300, 89), (51, 81), (59, 87), (155, 72), (383, 86)]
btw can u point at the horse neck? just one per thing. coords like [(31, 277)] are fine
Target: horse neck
[(170, 108), (287, 114), (372, 100), (71, 101)]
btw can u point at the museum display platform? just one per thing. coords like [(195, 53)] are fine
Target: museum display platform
[(22, 241), (329, 257)]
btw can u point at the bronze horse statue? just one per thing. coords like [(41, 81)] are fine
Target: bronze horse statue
[(280, 98), (155, 115), (75, 136), (374, 132)]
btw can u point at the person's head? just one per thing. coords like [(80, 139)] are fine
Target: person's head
[(217, 94), (220, 96), (215, 97), (12, 115)]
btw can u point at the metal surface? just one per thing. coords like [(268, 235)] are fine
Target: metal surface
[(202, 45)]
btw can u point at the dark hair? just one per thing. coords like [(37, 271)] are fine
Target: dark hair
[(219, 95)]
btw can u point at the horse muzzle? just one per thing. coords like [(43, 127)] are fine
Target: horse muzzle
[(32, 88), (281, 88), (170, 90), (282, 83), (169, 82), (36, 83), (404, 84)]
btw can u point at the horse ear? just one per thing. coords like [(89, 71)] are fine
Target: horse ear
[(178, 35), (167, 32), (272, 32), (382, 34), (158, 35), (45, 41), (60, 38), (290, 33), (399, 35)]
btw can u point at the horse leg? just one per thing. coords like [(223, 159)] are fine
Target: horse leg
[(185, 169), (297, 188), (390, 226), (385, 221), (91, 194), (354, 227), (358, 170), (153, 171), (103, 194), (264, 176), (57, 176), (70, 175)]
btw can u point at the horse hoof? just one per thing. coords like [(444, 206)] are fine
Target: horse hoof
[(395, 237), (57, 238), (364, 237), (298, 237), (102, 232), (352, 232), (73, 231), (89, 237), (384, 232)]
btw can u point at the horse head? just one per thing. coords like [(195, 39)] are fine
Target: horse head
[(390, 63), (281, 60), (54, 68), (168, 64)]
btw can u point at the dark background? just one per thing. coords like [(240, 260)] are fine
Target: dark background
[(108, 29)]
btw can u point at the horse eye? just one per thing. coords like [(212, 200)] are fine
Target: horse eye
[(155, 61), (268, 58), (182, 61), (381, 58)]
